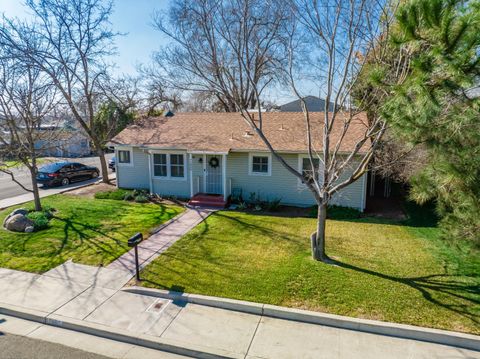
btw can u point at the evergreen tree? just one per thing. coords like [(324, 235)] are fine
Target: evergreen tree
[(431, 105)]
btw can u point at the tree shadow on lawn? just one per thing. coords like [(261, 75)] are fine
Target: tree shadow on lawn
[(205, 253), (447, 285), (82, 232)]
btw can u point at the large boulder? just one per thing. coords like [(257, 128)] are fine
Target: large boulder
[(18, 223), (21, 211)]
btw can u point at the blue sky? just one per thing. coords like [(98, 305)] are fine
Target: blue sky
[(134, 18)]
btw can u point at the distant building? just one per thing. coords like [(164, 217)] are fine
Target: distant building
[(65, 142), (314, 104)]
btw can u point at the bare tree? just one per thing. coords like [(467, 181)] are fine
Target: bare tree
[(27, 97), (216, 43), (69, 41), (116, 103), (156, 94)]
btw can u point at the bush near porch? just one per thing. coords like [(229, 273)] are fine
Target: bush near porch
[(88, 231), (400, 272)]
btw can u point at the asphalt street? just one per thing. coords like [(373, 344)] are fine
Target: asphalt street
[(19, 347), (9, 188)]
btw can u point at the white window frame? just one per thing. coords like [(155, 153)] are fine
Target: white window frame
[(117, 156), (250, 164), (169, 170), (301, 157), (153, 165)]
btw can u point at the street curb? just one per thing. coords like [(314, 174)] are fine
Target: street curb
[(120, 335), (437, 336)]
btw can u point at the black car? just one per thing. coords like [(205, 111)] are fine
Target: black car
[(64, 173), (111, 164)]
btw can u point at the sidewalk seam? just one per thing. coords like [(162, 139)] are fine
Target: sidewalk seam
[(98, 306), (169, 324), (83, 291), (260, 317)]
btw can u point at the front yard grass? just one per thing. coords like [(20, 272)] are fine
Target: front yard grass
[(386, 271), (88, 231)]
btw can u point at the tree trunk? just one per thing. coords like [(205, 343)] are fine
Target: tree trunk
[(318, 238), (103, 162), (36, 194)]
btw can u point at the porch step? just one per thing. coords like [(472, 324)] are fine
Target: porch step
[(207, 200)]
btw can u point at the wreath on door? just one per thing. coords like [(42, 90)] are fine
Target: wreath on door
[(214, 162)]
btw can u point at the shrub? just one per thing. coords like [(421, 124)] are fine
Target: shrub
[(141, 198), (273, 205), (46, 209), (338, 212), (141, 192), (242, 206), (40, 220), (118, 194), (129, 196)]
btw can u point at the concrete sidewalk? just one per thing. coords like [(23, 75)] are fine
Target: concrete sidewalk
[(46, 192), (90, 300), (159, 242)]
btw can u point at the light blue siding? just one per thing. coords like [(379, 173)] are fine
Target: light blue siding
[(179, 187), (137, 175), (281, 184)]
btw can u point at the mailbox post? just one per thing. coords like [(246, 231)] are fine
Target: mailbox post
[(134, 241)]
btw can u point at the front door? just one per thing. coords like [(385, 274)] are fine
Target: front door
[(213, 174)]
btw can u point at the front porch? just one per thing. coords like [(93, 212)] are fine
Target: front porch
[(207, 200), (209, 185)]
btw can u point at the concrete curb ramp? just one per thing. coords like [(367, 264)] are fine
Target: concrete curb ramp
[(437, 336)]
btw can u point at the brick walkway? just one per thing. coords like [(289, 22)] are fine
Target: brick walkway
[(159, 242)]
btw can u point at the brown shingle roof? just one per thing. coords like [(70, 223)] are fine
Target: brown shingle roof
[(224, 132)]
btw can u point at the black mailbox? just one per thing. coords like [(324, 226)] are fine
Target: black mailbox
[(134, 240)]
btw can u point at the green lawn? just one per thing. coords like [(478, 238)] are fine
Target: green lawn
[(88, 231), (386, 271)]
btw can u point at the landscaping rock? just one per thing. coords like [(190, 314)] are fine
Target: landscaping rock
[(29, 229), (18, 223), (22, 211)]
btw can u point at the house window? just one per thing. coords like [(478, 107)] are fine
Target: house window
[(160, 165), (124, 157), (260, 165), (177, 168), (307, 171), (170, 166)]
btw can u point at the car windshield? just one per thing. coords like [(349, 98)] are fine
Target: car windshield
[(52, 167)]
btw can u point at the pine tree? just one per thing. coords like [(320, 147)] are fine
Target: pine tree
[(431, 106), (421, 88)]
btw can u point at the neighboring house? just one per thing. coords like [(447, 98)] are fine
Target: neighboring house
[(65, 142), (313, 103), (217, 153)]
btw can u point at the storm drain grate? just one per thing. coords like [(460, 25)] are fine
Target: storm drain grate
[(158, 306)]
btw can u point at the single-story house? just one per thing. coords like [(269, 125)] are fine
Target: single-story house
[(219, 154)]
